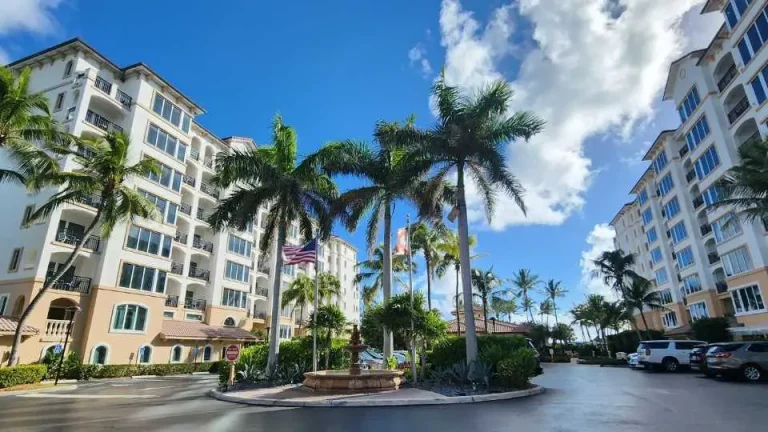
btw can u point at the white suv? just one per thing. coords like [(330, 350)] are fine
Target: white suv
[(668, 354)]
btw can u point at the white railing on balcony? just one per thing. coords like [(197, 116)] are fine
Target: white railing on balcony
[(56, 328)]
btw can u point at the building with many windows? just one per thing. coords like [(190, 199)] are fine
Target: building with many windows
[(155, 291), (704, 260)]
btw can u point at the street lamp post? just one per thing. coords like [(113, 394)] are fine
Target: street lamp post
[(74, 311)]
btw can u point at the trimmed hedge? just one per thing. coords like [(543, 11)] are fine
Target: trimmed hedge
[(603, 361), (88, 371), (517, 370), (22, 374), (492, 348)]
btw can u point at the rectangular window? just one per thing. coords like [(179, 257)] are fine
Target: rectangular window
[(237, 272), (173, 114), (289, 270), (698, 311), (166, 142), (689, 104), (27, 215), (239, 246), (166, 209), (4, 303), (737, 261), (651, 235), (726, 227), (234, 298), (666, 184), (59, 102), (15, 260), (678, 232), (758, 88), (661, 276), (671, 209), (656, 255), (660, 162), (710, 196), (642, 197), (647, 216), (665, 296), (168, 177), (747, 299), (707, 163), (148, 241), (698, 133), (193, 317), (669, 319), (142, 278), (691, 284), (168, 314), (685, 258), (756, 35)]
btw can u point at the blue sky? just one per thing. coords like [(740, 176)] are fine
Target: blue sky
[(333, 68)]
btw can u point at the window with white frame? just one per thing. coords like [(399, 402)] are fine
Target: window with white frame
[(234, 298), (165, 208), (726, 227), (711, 195), (698, 133), (685, 258), (165, 142), (99, 355), (651, 235), (68, 69), (691, 284), (698, 311), (168, 177), (754, 38), (170, 112), (759, 85), (129, 317), (208, 353), (678, 232), (734, 11), (666, 184), (237, 272), (142, 278), (148, 241), (737, 261), (656, 255), (659, 162), (671, 208), (239, 246), (689, 104), (647, 216), (145, 354), (193, 317), (661, 276), (15, 260), (669, 319), (707, 163), (286, 331), (59, 102), (665, 296), (289, 270), (747, 299), (168, 314), (176, 353), (4, 303)]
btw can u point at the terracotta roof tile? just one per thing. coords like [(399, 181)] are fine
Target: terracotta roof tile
[(498, 327), (201, 331), (8, 326)]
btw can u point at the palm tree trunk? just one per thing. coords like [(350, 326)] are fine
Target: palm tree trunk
[(458, 321), (328, 352), (581, 327), (274, 341), (301, 316), (466, 268), (485, 313), (589, 336), (429, 281), (14, 357), (387, 272), (554, 309), (423, 359), (647, 330), (605, 342)]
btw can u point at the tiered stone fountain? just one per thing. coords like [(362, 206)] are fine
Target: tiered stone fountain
[(354, 380)]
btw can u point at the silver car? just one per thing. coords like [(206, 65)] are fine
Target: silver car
[(746, 360)]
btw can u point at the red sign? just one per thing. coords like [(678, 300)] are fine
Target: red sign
[(232, 353)]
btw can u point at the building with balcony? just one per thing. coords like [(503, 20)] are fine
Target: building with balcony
[(172, 285), (705, 261)]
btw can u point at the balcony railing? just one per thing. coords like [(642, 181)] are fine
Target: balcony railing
[(208, 162), (103, 85), (177, 268), (194, 154), (180, 237), (198, 243), (755, 137), (728, 78), (698, 202), (736, 112), (71, 238), (85, 152), (101, 122), (188, 180), (713, 257), (124, 99), (264, 292), (706, 229), (690, 176), (193, 303), (72, 284), (197, 273), (721, 286), (208, 189), (203, 215), (91, 201), (683, 151), (172, 301), (185, 208), (56, 328), (261, 316)]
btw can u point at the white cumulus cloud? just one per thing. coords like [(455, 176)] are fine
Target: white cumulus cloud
[(32, 16), (417, 56), (600, 240), (592, 70)]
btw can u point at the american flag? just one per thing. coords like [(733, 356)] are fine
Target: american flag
[(300, 254)]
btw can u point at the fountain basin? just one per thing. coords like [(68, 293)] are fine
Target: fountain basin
[(342, 381)]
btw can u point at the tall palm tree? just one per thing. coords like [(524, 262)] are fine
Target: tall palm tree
[(371, 272), (300, 293), (554, 291), (27, 132), (271, 175), (103, 175), (369, 295), (450, 247), (486, 284), (393, 172), (502, 306), (331, 319), (615, 267), (525, 281), (328, 286), (580, 317), (640, 295), (745, 186), (470, 139), (595, 309), (425, 238), (545, 309)]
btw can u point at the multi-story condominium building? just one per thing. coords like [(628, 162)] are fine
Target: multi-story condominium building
[(155, 291), (705, 261)]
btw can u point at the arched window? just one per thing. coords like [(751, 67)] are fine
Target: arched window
[(99, 355), (207, 353), (176, 354), (229, 322), (68, 69), (129, 318), (145, 354)]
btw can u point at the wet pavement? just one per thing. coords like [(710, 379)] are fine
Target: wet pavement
[(579, 398)]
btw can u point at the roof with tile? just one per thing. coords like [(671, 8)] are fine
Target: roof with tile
[(200, 331), (8, 327)]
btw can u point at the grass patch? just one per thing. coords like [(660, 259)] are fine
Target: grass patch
[(35, 386)]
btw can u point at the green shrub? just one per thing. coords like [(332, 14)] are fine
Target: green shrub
[(516, 371), (491, 349), (711, 329), (22, 374), (627, 341), (558, 358), (602, 361)]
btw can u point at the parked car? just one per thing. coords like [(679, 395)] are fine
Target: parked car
[(745, 360), (402, 358), (698, 358), (670, 355), (633, 361), (370, 359)]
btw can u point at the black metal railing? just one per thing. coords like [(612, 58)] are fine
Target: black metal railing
[(264, 292), (71, 238), (193, 303), (698, 202), (91, 201), (198, 243), (101, 122), (85, 152), (208, 162), (123, 98), (197, 273), (180, 237), (188, 180), (690, 176), (683, 151), (208, 189), (202, 214), (185, 208), (194, 154), (177, 268), (755, 137), (721, 286), (736, 112), (103, 85), (261, 316), (713, 257), (728, 78), (72, 284), (172, 301), (706, 229)]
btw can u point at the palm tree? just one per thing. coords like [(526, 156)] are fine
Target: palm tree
[(580, 317), (372, 271), (369, 295), (616, 269), (103, 174), (270, 175), (595, 310), (528, 305), (328, 286), (486, 284), (330, 319), (300, 293), (553, 290), (449, 246), (640, 295), (393, 172), (425, 239), (545, 308), (744, 186), (471, 136), (525, 281), (27, 132), (502, 306)]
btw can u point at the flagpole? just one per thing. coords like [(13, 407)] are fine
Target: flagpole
[(314, 313), (410, 287)]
